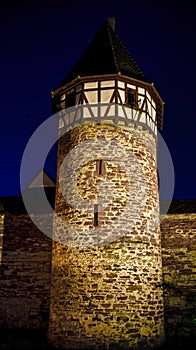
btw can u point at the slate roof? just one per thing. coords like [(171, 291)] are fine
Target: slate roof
[(179, 206), (105, 55), (15, 205), (41, 179)]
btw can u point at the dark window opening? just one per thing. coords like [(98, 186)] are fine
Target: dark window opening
[(100, 167), (95, 214), (70, 99), (79, 99), (131, 98)]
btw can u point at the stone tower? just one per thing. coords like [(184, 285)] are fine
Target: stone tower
[(106, 268)]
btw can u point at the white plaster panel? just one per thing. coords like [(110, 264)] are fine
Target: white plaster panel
[(107, 83), (91, 85), (106, 95), (92, 96)]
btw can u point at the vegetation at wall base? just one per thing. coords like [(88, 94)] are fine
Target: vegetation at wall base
[(31, 339)]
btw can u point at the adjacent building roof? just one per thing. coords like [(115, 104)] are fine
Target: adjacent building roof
[(179, 206), (15, 205), (41, 179), (105, 55)]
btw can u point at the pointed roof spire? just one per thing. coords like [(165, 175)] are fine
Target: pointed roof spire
[(105, 55), (41, 179), (111, 22)]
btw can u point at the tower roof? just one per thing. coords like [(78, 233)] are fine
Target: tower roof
[(105, 55), (41, 179)]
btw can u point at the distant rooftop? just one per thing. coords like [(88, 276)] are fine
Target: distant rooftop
[(105, 55), (15, 205), (179, 206), (41, 179)]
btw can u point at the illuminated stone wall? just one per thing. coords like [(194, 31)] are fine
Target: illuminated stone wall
[(179, 267), (108, 295), (2, 215), (99, 282), (25, 274)]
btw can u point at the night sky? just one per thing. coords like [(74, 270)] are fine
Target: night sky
[(40, 41)]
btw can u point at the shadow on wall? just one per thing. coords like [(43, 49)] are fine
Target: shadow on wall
[(25, 270)]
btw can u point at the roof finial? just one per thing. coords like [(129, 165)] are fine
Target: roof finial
[(111, 22)]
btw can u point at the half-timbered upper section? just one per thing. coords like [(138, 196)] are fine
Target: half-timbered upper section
[(106, 74)]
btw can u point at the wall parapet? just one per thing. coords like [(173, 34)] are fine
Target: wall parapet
[(179, 261)]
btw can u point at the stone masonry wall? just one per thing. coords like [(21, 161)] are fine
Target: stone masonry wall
[(25, 275), (1, 230), (179, 267), (107, 295)]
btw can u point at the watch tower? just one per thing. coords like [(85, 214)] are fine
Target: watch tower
[(106, 267)]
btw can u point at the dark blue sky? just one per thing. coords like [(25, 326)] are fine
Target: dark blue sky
[(40, 41)]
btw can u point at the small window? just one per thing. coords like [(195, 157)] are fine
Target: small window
[(95, 214), (131, 98), (100, 167), (78, 99), (70, 99)]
